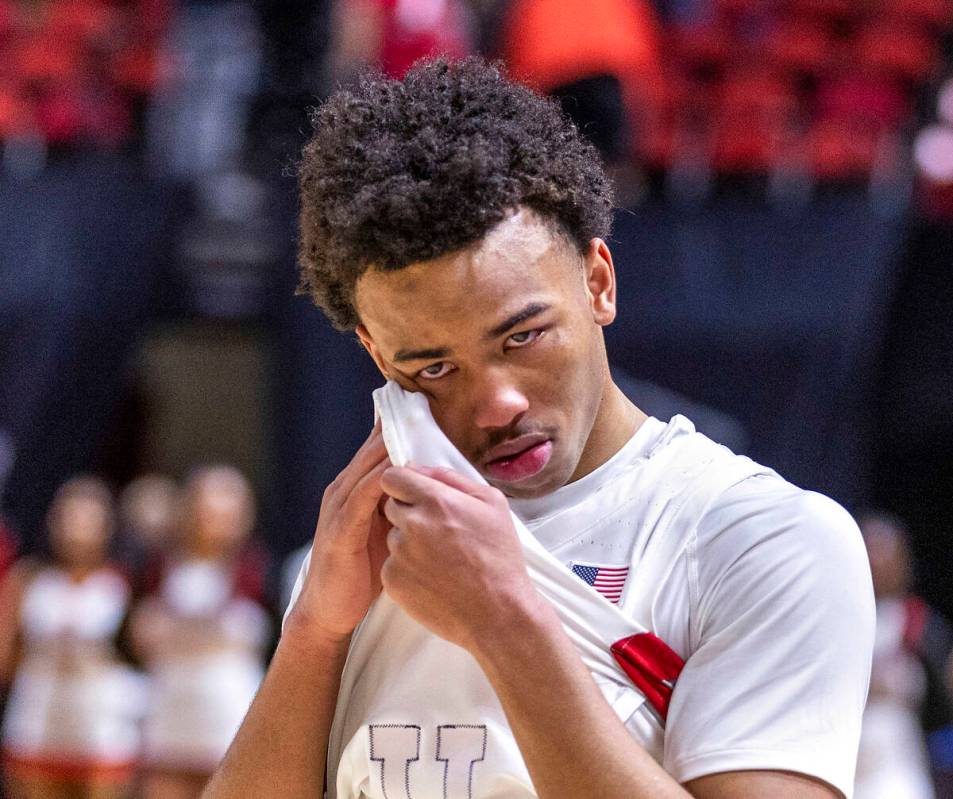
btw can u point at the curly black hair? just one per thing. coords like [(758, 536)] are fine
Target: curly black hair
[(405, 171)]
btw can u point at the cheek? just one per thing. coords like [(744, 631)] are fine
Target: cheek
[(579, 388), (568, 367), (454, 417)]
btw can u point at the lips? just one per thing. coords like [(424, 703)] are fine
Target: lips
[(521, 458)]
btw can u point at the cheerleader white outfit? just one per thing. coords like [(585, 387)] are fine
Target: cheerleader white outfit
[(68, 720), (726, 615), (198, 700)]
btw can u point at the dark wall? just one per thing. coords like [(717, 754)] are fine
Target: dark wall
[(81, 246), (914, 434), (775, 316)]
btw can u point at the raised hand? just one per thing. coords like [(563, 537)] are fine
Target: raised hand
[(455, 563), (349, 549)]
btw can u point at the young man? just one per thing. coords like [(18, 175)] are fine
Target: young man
[(458, 224)]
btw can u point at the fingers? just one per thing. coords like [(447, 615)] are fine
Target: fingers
[(359, 507), (414, 484), (453, 479), (407, 485), (367, 492), (370, 451), (396, 512), (411, 488), (368, 457)]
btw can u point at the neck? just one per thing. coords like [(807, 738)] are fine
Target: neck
[(616, 422)]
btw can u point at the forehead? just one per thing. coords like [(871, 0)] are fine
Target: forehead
[(521, 260)]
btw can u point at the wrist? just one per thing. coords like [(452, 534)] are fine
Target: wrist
[(306, 634), (519, 628)]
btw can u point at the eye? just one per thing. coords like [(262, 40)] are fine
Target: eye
[(524, 337), (436, 370)]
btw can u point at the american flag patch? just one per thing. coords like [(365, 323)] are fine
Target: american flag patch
[(607, 580)]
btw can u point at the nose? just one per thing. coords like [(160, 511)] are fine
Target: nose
[(498, 404)]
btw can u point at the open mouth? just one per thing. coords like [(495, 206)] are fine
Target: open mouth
[(520, 465)]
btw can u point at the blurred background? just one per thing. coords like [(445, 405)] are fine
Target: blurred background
[(784, 247)]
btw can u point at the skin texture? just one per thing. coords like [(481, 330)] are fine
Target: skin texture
[(452, 559), (547, 375)]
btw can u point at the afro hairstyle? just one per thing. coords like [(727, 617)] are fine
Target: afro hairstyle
[(404, 171)]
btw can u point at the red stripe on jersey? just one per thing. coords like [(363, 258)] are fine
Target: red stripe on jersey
[(652, 665)]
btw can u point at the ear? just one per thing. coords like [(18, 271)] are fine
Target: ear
[(368, 342), (600, 282)]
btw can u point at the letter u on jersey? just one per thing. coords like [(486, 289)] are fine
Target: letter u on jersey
[(396, 749)]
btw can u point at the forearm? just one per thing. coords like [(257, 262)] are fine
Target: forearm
[(281, 748), (571, 740)]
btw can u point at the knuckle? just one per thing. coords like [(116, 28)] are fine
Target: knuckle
[(393, 538), (333, 488), (387, 574), (442, 504), (495, 497)]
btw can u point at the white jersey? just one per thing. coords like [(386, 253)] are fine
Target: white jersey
[(769, 601), (764, 592)]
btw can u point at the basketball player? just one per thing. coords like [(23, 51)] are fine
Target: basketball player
[(458, 224)]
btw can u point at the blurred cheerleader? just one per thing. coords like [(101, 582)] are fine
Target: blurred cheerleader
[(71, 727), (202, 635)]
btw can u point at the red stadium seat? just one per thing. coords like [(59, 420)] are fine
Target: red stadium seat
[(153, 16), (655, 145), (934, 14), (747, 144), (7, 17), (82, 19), (742, 8), (15, 114), (668, 106), (138, 68), (859, 96), (44, 58), (701, 46), (763, 91), (59, 115), (896, 50), (842, 151), (755, 113), (824, 10), (802, 46)]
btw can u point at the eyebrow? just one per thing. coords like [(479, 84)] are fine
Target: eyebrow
[(531, 310), (421, 355)]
